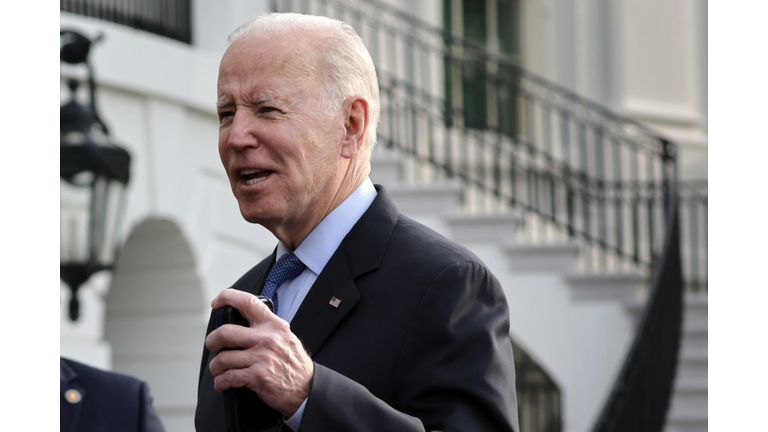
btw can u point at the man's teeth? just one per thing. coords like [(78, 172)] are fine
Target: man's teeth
[(248, 172), (255, 180)]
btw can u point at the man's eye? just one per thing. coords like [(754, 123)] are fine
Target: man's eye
[(268, 109), (224, 115)]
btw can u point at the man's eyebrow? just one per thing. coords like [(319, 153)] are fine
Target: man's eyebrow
[(255, 101), (262, 99)]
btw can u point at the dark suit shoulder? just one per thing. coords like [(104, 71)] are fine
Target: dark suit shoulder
[(428, 246), (110, 401), (92, 376), (418, 259)]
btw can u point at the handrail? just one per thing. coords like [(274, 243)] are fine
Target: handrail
[(639, 400)]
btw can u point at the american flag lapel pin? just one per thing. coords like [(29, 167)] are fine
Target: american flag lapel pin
[(335, 302)]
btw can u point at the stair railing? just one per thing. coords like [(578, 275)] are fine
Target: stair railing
[(640, 398), (694, 208)]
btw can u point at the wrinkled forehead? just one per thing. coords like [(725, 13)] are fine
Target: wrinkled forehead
[(289, 54)]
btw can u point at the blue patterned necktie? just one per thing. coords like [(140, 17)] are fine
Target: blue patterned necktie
[(287, 267)]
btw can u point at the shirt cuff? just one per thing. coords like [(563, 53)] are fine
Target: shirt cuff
[(295, 421)]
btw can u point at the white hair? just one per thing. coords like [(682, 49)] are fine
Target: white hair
[(349, 68)]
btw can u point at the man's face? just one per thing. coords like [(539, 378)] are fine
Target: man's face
[(279, 146)]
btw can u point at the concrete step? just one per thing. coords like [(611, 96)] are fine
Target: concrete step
[(689, 410), (692, 374), (550, 257), (693, 367), (624, 286), (690, 394), (497, 228), (689, 353), (696, 310), (435, 198), (695, 321), (695, 348), (684, 423), (686, 418), (695, 341)]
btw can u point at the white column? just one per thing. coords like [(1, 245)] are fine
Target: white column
[(538, 41), (659, 72), (566, 37), (593, 36)]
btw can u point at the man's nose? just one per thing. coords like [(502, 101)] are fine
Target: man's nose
[(242, 133)]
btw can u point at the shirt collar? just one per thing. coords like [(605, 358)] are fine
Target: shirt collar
[(316, 250)]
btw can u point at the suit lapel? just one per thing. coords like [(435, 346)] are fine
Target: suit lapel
[(253, 281), (317, 317), (69, 412), (360, 252)]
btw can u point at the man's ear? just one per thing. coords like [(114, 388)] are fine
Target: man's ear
[(355, 111)]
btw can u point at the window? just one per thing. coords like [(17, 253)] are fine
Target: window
[(478, 94)]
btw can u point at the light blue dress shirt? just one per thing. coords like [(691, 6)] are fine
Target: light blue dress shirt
[(315, 252)]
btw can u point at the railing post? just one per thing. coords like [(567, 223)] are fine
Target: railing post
[(668, 172), (569, 204)]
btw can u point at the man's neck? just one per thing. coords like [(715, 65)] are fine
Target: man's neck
[(292, 236)]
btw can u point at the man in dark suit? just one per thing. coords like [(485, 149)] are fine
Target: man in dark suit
[(97, 400), (381, 324)]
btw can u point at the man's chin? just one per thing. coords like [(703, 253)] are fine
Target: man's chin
[(255, 216), (252, 218)]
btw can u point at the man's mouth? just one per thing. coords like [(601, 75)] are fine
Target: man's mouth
[(253, 176)]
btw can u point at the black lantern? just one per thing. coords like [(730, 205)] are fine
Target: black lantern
[(94, 176)]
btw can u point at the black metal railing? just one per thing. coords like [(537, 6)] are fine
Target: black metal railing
[(693, 231), (169, 18), (640, 397)]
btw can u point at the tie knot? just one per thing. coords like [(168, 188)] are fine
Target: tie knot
[(287, 267)]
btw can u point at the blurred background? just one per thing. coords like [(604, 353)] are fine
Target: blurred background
[(563, 141)]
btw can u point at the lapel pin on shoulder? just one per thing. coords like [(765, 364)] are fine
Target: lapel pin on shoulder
[(73, 396)]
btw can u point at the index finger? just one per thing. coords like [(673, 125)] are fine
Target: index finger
[(249, 306)]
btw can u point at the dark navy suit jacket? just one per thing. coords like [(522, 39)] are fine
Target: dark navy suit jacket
[(107, 401), (420, 340)]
